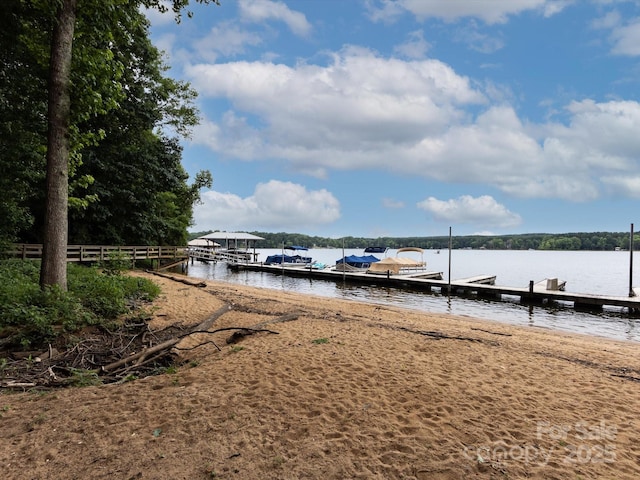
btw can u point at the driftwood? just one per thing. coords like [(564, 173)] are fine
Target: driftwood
[(246, 331), (21, 385), (184, 280), (168, 344), (434, 334), (492, 333)]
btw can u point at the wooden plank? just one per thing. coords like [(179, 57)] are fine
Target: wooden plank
[(486, 279)]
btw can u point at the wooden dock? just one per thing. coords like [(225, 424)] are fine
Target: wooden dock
[(481, 286), (232, 256)]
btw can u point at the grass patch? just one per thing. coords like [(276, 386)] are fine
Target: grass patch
[(84, 378), (32, 317), (319, 341)]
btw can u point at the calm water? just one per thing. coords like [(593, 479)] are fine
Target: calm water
[(604, 273)]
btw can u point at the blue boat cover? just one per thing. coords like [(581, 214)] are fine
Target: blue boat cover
[(375, 249), (280, 259), (295, 247), (356, 261)]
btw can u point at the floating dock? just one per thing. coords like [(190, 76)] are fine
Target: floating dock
[(482, 286)]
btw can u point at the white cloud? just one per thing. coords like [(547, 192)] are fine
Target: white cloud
[(417, 118), (415, 46), (273, 205), (626, 38), (158, 18), (471, 35), (385, 11), (335, 116), (622, 185), (263, 10), (483, 211), (605, 133), (391, 203), (624, 34), (492, 12), (609, 20), (226, 39)]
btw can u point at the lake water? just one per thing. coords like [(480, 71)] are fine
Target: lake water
[(603, 273)]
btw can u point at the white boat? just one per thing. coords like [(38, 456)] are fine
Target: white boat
[(398, 265)]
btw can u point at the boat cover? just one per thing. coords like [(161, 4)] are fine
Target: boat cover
[(359, 262), (394, 265), (280, 259)]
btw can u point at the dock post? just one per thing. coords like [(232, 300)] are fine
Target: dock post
[(530, 286), (450, 246), (631, 292)]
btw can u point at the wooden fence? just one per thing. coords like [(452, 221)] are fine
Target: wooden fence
[(98, 253)]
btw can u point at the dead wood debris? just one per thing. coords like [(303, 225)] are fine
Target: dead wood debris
[(181, 279), (103, 356), (626, 373), (434, 334)]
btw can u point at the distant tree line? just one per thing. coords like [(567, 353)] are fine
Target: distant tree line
[(530, 241)]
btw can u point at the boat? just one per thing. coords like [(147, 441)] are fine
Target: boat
[(294, 260), (355, 263), (399, 264), (376, 249)]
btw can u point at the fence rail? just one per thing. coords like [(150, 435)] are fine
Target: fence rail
[(98, 253)]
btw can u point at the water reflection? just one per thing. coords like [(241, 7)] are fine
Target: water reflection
[(611, 323)]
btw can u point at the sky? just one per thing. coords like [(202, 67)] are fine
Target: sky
[(397, 118)]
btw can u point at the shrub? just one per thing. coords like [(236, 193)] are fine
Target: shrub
[(116, 263), (35, 317)]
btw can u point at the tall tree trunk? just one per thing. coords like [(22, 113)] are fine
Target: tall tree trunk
[(54, 253)]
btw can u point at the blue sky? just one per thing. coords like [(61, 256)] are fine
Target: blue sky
[(406, 117)]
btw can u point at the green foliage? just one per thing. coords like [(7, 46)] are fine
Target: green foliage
[(84, 378), (35, 317), (116, 263), (18, 281), (23, 100), (124, 160)]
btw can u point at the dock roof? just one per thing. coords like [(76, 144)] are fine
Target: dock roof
[(231, 236)]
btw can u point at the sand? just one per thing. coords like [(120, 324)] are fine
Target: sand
[(347, 390)]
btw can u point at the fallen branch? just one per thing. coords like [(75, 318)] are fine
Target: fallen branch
[(444, 336), (259, 327), (184, 280), (492, 333), (435, 334), (17, 384), (245, 332), (287, 317), (168, 344), (626, 377)]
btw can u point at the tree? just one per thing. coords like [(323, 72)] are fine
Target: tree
[(53, 270), (54, 252)]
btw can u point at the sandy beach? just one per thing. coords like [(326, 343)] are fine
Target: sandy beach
[(345, 390)]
